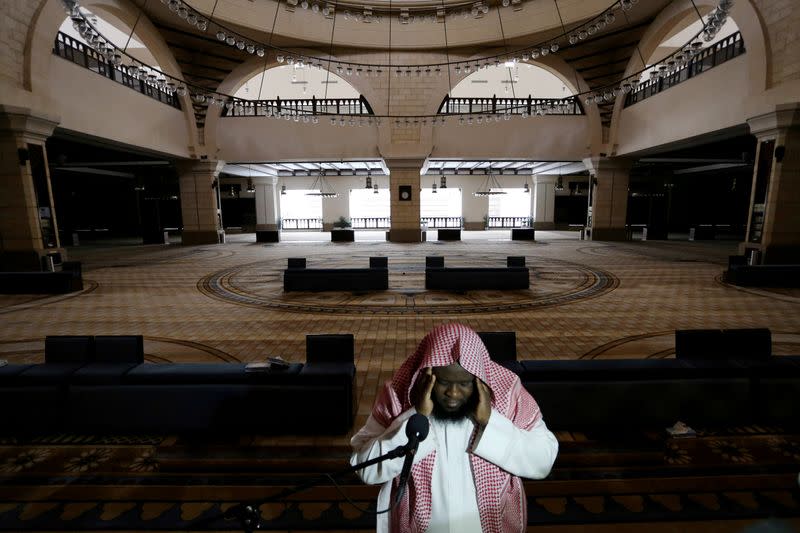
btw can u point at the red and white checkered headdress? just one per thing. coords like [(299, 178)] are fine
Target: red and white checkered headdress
[(496, 488)]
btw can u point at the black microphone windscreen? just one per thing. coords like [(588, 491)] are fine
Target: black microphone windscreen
[(417, 427)]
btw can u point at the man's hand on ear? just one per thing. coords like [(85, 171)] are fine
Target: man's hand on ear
[(484, 408), (423, 392)]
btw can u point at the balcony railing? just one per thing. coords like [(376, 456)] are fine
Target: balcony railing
[(301, 223), (87, 57), (508, 222), (442, 222), (371, 222), (300, 107), (725, 50), (512, 106)]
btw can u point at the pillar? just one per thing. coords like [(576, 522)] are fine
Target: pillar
[(200, 210), (404, 183), (268, 206), (544, 202), (28, 225), (773, 224), (608, 197)]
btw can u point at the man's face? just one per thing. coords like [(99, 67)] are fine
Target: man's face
[(453, 393)]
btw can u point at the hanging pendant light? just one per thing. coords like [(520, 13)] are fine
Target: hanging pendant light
[(322, 187), (283, 189), (490, 186)]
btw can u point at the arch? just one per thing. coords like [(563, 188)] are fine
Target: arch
[(48, 20), (531, 79), (278, 80), (758, 58)]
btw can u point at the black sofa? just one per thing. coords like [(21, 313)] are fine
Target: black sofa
[(68, 279), (101, 384), (299, 278), (703, 386), (515, 275), (742, 274)]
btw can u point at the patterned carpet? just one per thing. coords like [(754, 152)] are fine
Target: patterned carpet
[(223, 303)]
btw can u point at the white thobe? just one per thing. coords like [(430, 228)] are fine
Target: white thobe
[(454, 502)]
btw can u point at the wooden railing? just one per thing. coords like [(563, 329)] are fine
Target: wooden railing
[(513, 106), (297, 107), (508, 222), (371, 222), (301, 223), (87, 57), (442, 222), (725, 50)]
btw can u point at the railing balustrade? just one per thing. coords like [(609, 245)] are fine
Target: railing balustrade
[(725, 50), (87, 57), (297, 107), (371, 222), (508, 222), (442, 222), (511, 106), (301, 223)]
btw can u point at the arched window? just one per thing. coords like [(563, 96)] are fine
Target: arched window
[(116, 32), (681, 34), (289, 82), (516, 80)]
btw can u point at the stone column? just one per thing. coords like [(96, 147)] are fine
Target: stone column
[(267, 205), (544, 202), (200, 210), (404, 183), (608, 187), (773, 225), (28, 226)]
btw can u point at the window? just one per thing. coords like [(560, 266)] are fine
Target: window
[(301, 211)]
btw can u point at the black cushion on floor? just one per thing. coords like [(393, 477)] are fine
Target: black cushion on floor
[(48, 374), (119, 348), (68, 348)]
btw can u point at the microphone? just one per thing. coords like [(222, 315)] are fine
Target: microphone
[(417, 429)]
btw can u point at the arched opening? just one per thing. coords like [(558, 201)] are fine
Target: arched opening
[(514, 80), (290, 82)]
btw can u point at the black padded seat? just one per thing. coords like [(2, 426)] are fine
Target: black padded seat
[(119, 348), (48, 374), (202, 373), (101, 373), (68, 348), (9, 373)]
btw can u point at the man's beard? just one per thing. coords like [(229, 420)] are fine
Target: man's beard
[(466, 409)]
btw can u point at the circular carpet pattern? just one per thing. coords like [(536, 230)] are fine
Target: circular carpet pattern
[(553, 282)]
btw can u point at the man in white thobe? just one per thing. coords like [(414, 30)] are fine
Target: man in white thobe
[(485, 433)]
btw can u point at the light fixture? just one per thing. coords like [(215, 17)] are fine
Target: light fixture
[(250, 186), (490, 186), (375, 188), (526, 188), (433, 187), (443, 182), (283, 189), (560, 184), (368, 185), (321, 186)]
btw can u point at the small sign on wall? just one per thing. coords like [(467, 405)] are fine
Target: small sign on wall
[(405, 193)]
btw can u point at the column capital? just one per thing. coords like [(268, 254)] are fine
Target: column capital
[(200, 166), (544, 179), (264, 180), (595, 164), (784, 117), (25, 123), (406, 163)]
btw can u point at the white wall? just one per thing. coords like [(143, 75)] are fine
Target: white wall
[(714, 100), (90, 104)]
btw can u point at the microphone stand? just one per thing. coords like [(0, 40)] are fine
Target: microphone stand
[(250, 517)]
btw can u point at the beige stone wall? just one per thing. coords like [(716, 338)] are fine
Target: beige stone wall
[(782, 20), (14, 25)]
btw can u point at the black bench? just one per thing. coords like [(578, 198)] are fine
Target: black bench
[(512, 277), (101, 384), (299, 278), (523, 234), (740, 273), (448, 234), (68, 279), (703, 386)]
